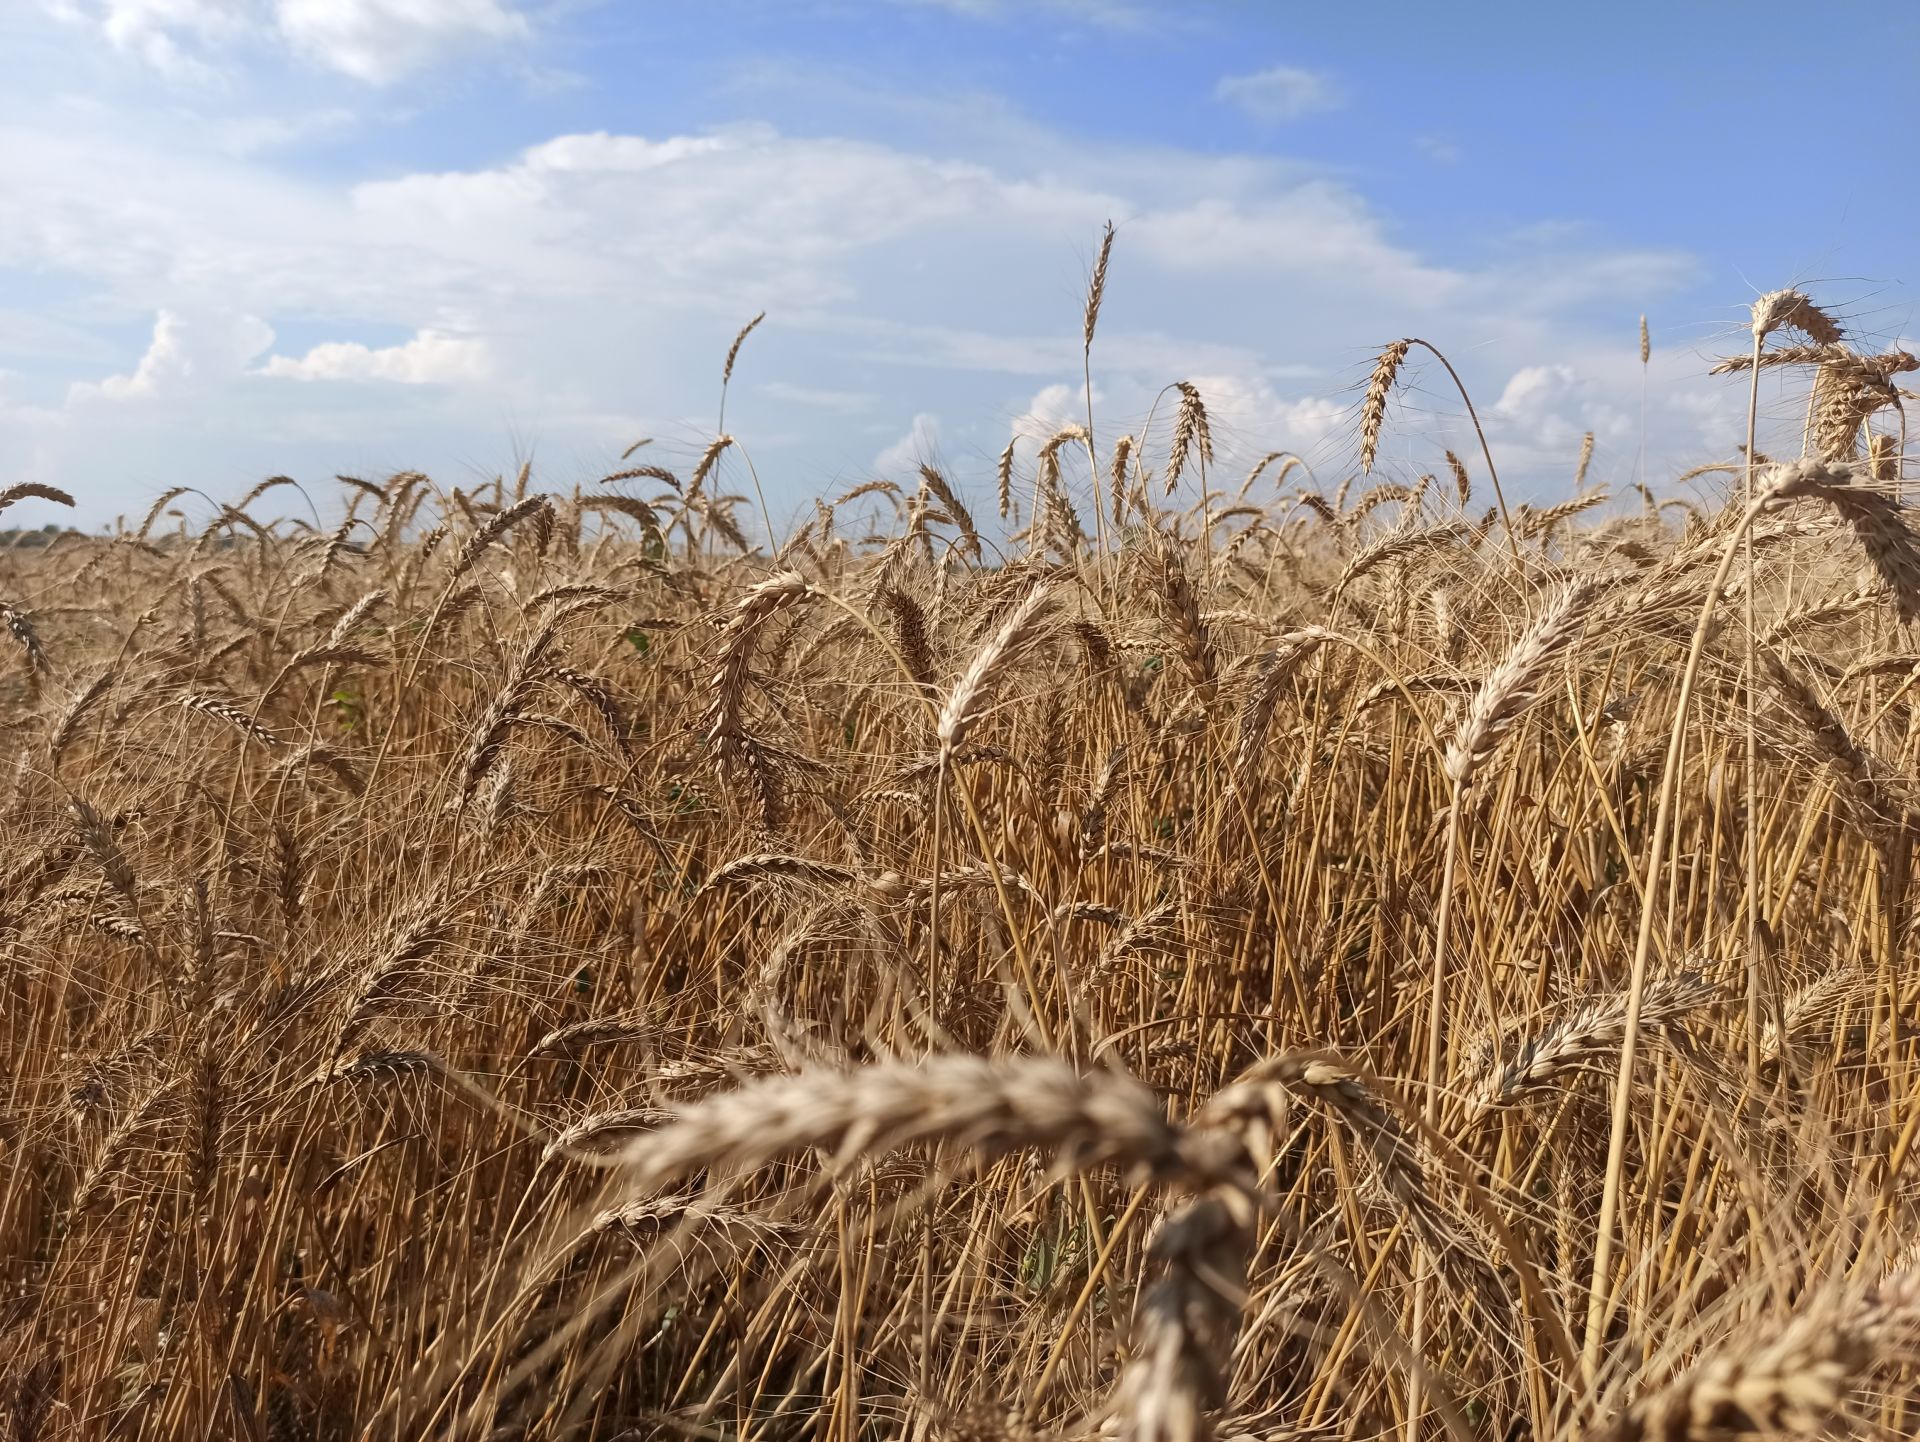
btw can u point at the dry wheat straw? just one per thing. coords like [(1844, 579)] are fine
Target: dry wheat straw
[(247, 1205), (1003, 480), (1185, 1322), (20, 626), (962, 517), (1791, 310), (234, 715)]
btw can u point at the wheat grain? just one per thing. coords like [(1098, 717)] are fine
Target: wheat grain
[(733, 351), (1512, 686), (1373, 410)]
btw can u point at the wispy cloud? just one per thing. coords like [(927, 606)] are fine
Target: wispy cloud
[(186, 354), (1280, 92), (247, 135), (845, 403), (375, 41), (1110, 14), (381, 41)]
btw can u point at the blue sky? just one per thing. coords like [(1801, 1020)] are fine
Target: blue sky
[(254, 236)]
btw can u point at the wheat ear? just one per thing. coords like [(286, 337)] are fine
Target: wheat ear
[(989, 1106)]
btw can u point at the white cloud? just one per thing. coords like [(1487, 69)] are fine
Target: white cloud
[(1554, 404), (154, 30), (1280, 92), (920, 443), (430, 358), (1054, 408), (1319, 228), (1553, 268), (184, 355), (375, 41), (1438, 149), (777, 217), (381, 41), (1250, 407), (1247, 415)]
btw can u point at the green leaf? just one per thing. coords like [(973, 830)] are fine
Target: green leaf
[(349, 706)]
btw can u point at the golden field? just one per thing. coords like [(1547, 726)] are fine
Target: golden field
[(1234, 957)]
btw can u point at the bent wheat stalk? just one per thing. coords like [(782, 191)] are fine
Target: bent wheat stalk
[(1373, 411)]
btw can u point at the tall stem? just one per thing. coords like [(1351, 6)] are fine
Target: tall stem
[(1486, 452), (1598, 1309), (1436, 1022), (1751, 675)]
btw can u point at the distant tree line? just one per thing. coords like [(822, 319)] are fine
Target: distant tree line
[(30, 538)]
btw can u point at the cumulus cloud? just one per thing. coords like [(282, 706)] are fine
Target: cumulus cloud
[(1052, 409), (430, 358), (184, 355), (1250, 406), (1280, 92), (919, 444), (1550, 407)]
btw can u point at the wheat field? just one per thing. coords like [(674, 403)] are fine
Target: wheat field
[(1211, 955)]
